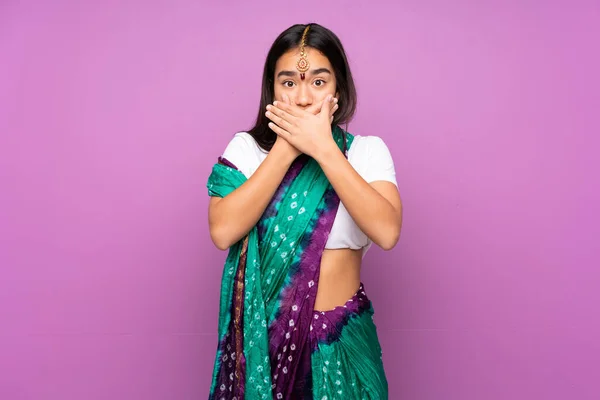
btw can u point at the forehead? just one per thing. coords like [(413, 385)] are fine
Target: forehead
[(289, 59)]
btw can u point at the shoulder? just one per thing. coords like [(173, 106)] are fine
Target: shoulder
[(243, 142), (243, 152), (243, 139), (368, 147), (371, 158)]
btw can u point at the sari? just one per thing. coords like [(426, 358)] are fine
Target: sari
[(272, 343)]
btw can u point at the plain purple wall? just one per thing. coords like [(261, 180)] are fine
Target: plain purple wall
[(112, 114)]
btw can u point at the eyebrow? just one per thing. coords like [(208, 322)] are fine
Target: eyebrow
[(313, 72)]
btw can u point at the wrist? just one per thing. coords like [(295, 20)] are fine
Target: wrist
[(327, 152), (281, 157)]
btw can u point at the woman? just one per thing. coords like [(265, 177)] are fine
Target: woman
[(298, 202)]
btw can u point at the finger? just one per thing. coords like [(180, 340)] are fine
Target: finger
[(279, 117), (315, 108), (276, 108), (326, 107), (280, 132), (334, 109), (289, 108), (331, 119)]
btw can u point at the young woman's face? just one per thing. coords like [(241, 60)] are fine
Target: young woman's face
[(319, 81)]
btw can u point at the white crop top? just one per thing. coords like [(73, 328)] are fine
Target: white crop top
[(368, 155)]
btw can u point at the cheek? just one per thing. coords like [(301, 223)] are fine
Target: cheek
[(323, 95), (277, 93)]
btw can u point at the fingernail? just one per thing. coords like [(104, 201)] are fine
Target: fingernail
[(269, 107), (335, 100), (275, 103)]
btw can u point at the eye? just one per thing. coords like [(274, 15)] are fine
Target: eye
[(288, 84), (319, 82)]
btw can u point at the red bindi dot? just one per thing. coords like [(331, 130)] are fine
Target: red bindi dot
[(302, 76)]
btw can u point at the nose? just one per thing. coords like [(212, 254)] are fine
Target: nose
[(304, 97)]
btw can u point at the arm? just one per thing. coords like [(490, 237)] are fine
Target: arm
[(230, 218), (376, 208)]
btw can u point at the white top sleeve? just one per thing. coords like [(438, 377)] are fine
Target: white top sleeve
[(243, 152), (380, 165)]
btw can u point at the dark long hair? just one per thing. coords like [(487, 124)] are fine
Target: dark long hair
[(326, 42)]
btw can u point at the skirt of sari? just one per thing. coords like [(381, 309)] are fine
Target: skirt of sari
[(346, 355)]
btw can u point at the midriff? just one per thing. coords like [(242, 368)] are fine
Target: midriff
[(339, 278)]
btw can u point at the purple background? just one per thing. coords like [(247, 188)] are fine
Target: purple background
[(112, 114)]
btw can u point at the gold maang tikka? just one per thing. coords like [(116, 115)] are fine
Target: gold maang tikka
[(303, 65)]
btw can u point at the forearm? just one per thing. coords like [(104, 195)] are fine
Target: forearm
[(233, 216), (372, 212)]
